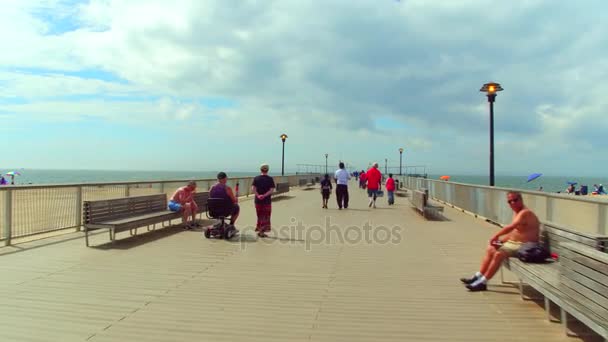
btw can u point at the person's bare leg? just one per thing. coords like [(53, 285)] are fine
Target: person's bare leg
[(187, 212), (233, 218), (487, 259), (184, 216), (494, 264)]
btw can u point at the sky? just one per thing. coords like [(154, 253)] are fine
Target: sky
[(208, 85)]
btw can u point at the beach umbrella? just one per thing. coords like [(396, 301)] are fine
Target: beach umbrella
[(571, 183), (13, 174), (534, 176), (445, 178)]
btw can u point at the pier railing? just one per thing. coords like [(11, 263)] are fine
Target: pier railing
[(583, 213), (39, 209)]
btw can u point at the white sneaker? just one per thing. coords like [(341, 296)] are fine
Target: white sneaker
[(371, 201), (374, 205)]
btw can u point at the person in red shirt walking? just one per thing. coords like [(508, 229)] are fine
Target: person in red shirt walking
[(362, 179), (390, 189), (374, 181)]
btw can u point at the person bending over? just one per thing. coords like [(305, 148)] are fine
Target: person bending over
[(183, 201)]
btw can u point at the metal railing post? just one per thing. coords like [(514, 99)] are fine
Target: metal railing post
[(78, 208), (601, 219), (8, 216), (128, 190)]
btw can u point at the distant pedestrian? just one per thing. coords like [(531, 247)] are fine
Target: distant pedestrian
[(390, 189), (326, 188), (374, 181), (342, 176), (263, 186), (3, 181), (362, 179)]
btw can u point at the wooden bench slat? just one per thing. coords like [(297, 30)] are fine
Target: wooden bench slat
[(597, 266), (588, 287)]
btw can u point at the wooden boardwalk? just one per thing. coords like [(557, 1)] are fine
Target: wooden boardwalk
[(303, 285)]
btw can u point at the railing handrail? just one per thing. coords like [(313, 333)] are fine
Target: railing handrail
[(69, 185)]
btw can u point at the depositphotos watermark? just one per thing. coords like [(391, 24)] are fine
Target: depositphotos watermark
[(329, 234)]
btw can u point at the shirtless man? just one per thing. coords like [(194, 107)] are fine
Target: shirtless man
[(506, 242), (183, 201)]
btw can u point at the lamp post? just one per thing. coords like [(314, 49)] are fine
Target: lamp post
[(326, 162), (490, 89), (386, 166), (283, 138), (400, 160)]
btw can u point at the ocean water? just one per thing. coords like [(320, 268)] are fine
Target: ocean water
[(549, 183), (38, 176)]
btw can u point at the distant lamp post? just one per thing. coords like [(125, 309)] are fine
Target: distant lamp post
[(400, 160), (385, 166), (326, 155), (490, 89), (283, 138)]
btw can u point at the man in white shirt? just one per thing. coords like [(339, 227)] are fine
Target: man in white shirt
[(342, 176)]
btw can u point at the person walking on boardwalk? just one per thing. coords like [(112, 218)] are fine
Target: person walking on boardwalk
[(263, 186), (506, 242), (325, 190), (374, 181), (342, 176), (390, 189), (362, 179)]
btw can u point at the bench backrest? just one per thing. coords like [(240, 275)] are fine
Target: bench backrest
[(200, 198), (556, 235), (113, 209), (281, 188), (584, 272), (419, 199)]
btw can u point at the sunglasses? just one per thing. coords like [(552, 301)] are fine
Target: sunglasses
[(513, 201)]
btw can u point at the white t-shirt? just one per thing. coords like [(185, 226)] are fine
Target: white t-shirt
[(342, 176)]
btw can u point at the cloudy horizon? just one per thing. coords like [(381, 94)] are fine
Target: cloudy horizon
[(208, 85)]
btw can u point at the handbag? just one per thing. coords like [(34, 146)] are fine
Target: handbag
[(533, 252)]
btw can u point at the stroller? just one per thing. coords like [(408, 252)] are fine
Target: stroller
[(221, 209)]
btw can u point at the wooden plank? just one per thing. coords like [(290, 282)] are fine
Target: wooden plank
[(588, 287), (565, 230), (591, 253), (565, 239), (572, 289), (586, 271), (586, 261)]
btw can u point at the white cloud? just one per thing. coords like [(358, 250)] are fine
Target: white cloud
[(324, 72)]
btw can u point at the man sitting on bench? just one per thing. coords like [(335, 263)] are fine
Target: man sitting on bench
[(221, 190), (183, 201), (524, 228)]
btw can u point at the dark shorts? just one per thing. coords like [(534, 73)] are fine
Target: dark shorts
[(325, 193), (371, 192)]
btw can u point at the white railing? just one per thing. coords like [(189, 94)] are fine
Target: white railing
[(583, 213), (38, 209)]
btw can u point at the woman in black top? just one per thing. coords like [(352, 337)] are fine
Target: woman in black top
[(325, 190), (262, 188)]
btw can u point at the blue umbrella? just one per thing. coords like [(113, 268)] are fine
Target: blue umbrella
[(571, 183), (534, 176)]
